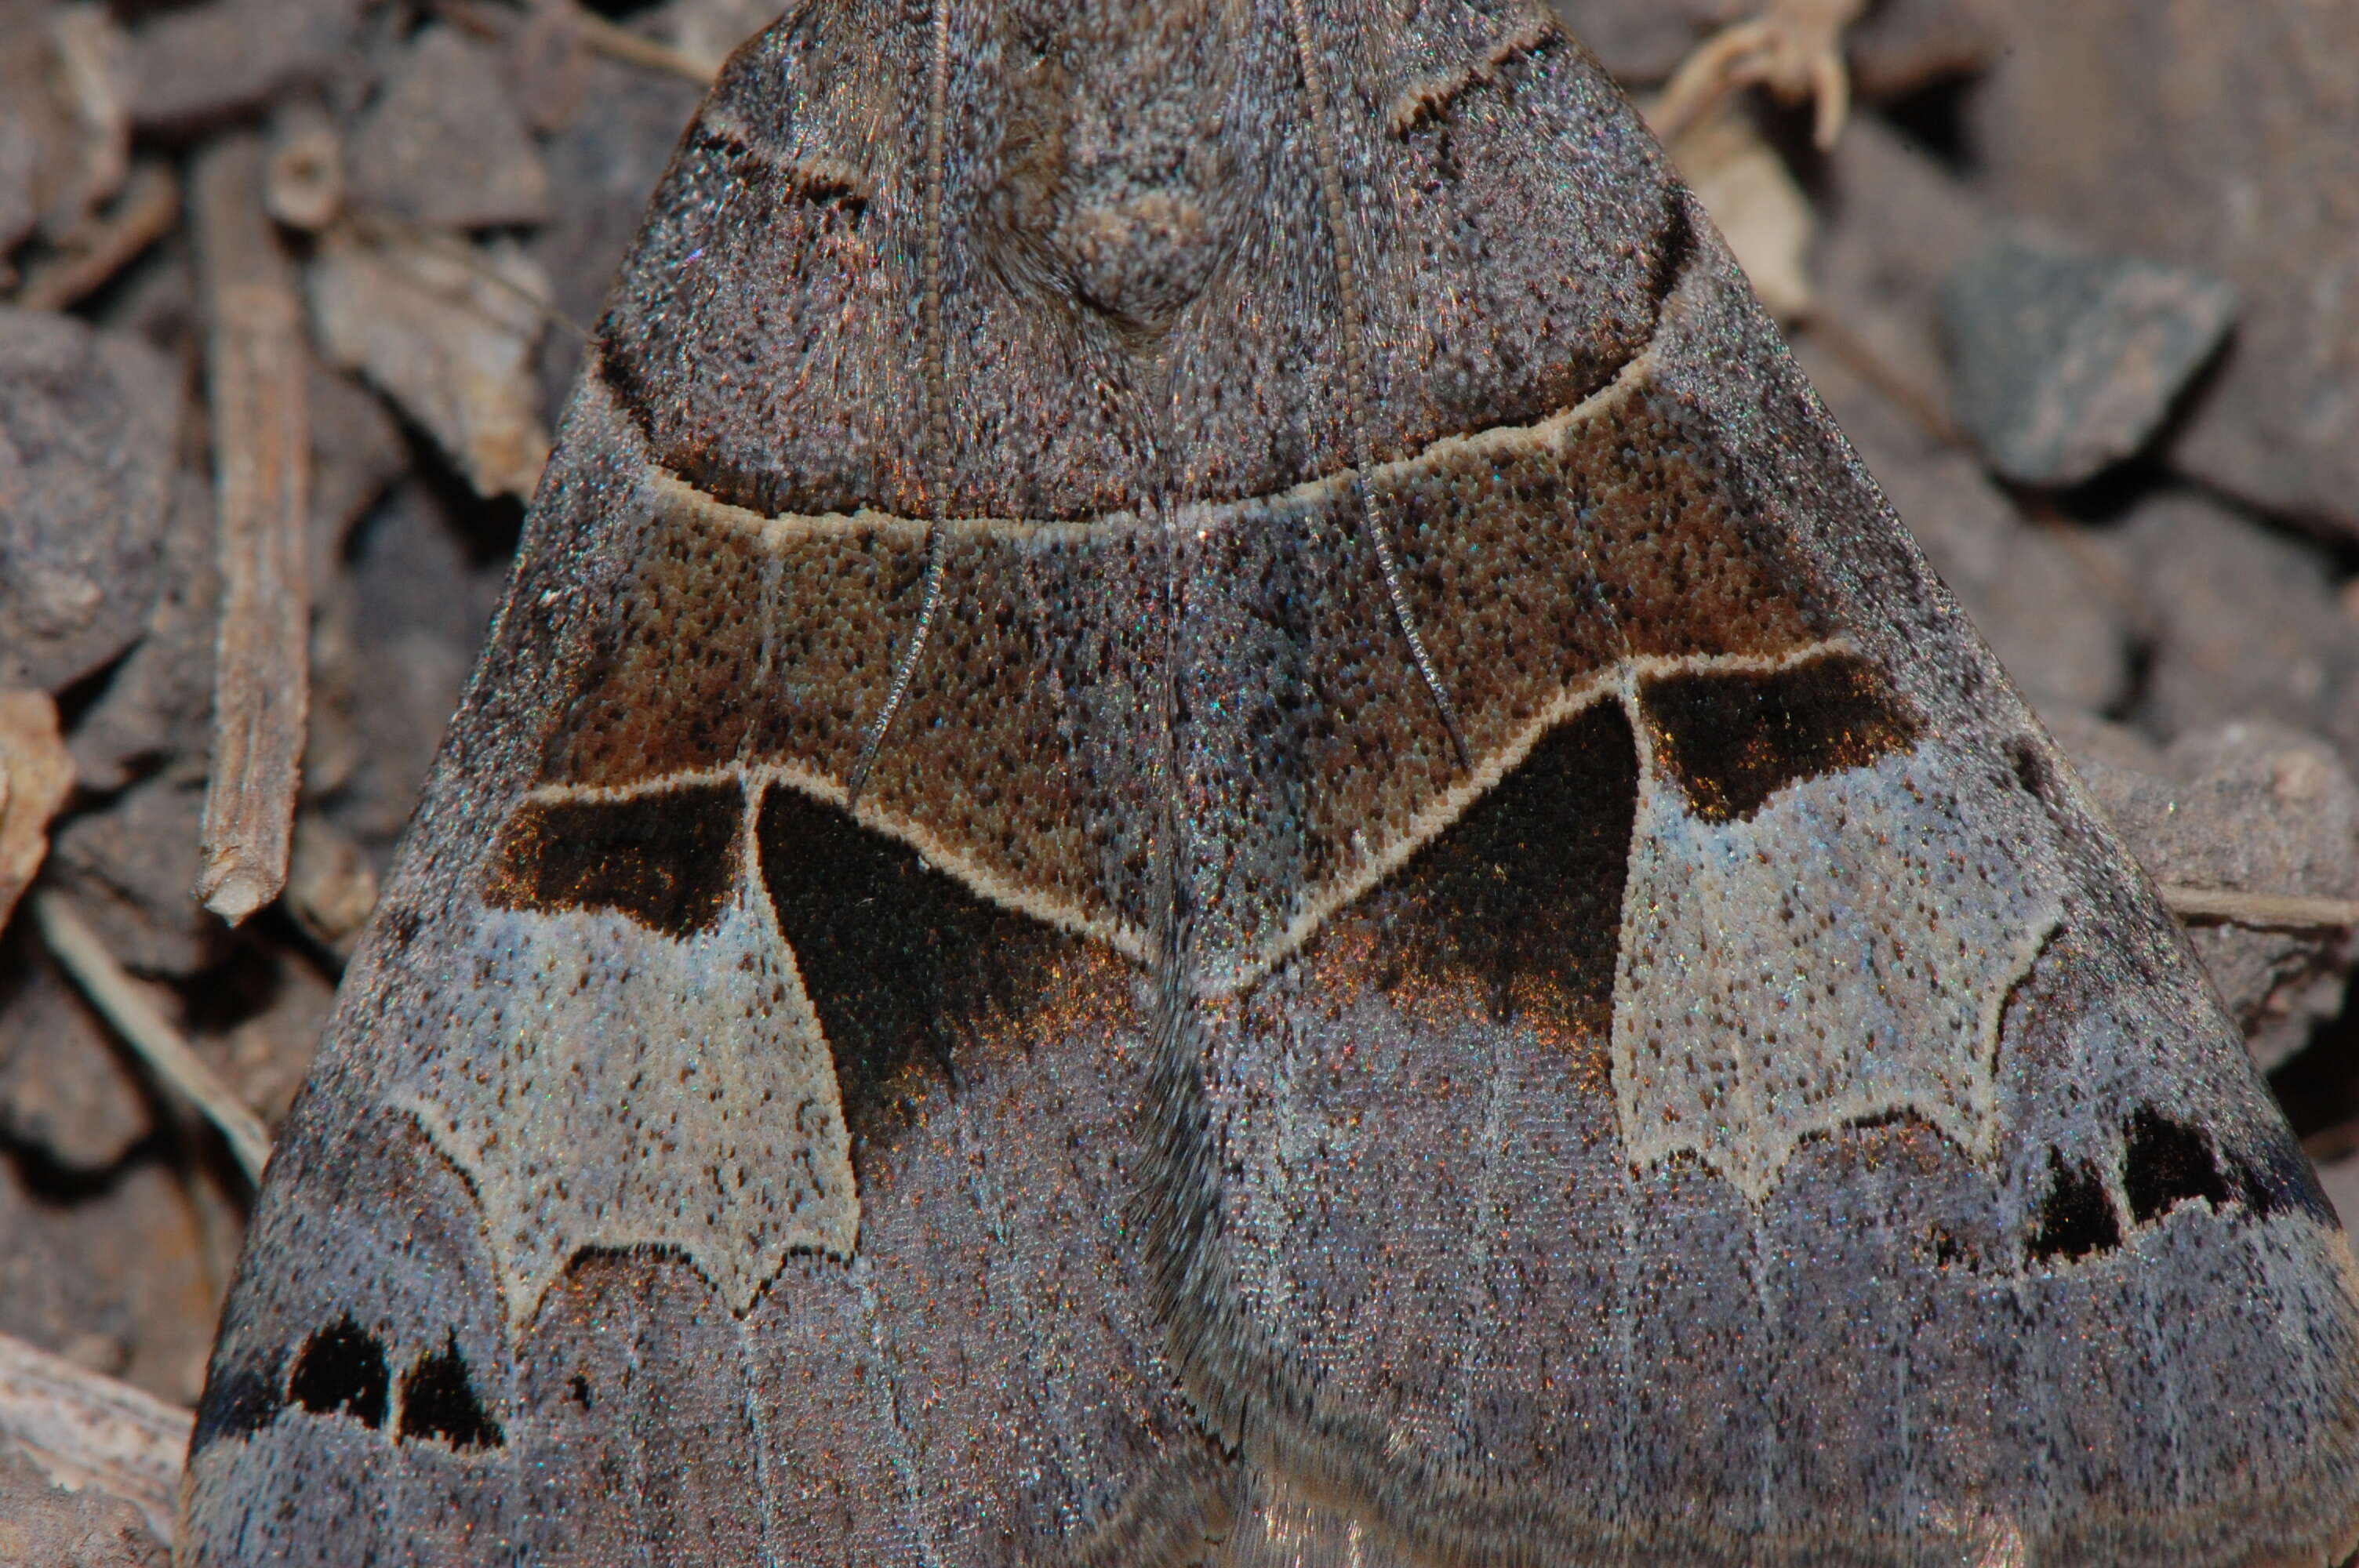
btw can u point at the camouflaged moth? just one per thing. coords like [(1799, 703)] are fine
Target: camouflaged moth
[(1211, 827)]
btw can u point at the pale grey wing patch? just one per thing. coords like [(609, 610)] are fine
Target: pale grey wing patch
[(641, 1064), (1843, 953)]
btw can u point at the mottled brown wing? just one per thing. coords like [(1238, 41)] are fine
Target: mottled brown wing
[(1212, 829)]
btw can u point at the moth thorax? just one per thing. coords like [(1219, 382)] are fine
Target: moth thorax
[(1108, 179)]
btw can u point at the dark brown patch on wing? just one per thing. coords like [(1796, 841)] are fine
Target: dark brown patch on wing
[(1733, 739), (665, 688), (2076, 1216), (438, 1403), (1303, 723), (1532, 568), (1302, 728), (1007, 747), (901, 962), (721, 642), (666, 857), (1016, 741), (1520, 899), (1684, 571), (341, 1371), (2166, 1162)]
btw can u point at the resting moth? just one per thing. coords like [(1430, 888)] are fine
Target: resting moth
[(1212, 828)]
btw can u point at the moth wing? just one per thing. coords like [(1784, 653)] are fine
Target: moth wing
[(697, 1170), (1454, 955), (1765, 1118)]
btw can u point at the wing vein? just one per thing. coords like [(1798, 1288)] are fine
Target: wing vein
[(936, 458), (1356, 381)]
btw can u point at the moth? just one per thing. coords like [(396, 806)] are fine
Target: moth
[(1212, 829)]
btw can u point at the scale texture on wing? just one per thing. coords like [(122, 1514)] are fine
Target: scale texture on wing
[(1212, 829)]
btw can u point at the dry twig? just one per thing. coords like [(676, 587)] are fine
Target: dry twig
[(620, 43), (144, 213), (255, 365), (2259, 911), (125, 1004)]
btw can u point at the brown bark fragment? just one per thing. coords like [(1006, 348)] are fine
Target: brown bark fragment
[(67, 1091), (48, 1526), (207, 62), (2223, 137), (121, 1280), (88, 422), (2251, 830), (2064, 363), (331, 886)]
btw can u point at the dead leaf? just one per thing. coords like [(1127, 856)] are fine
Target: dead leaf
[(36, 776), (1794, 49), (447, 330), (1762, 213)]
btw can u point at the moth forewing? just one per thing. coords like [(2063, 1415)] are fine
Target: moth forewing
[(1212, 828)]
